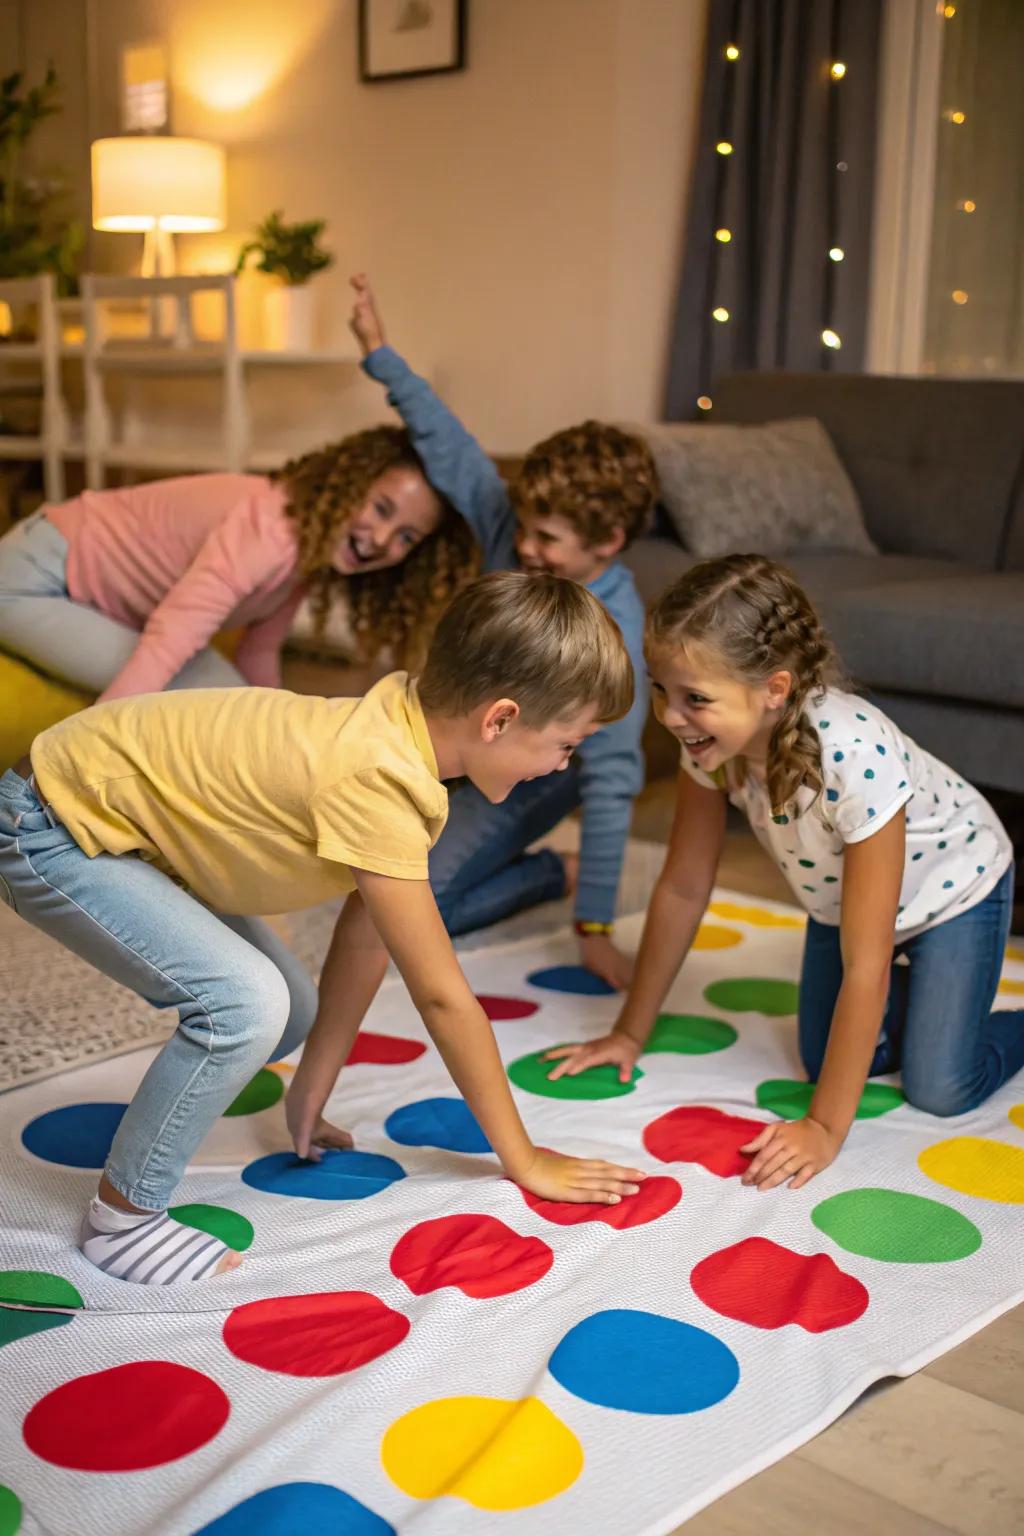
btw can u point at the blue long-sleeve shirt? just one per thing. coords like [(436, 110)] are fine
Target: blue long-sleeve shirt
[(611, 761)]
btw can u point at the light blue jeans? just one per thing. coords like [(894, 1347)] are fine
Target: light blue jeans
[(242, 997), (71, 641), (939, 1029), (480, 871)]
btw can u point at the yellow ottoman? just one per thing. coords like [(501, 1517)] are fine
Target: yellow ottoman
[(29, 702)]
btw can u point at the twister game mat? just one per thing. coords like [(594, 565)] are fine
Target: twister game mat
[(414, 1345)]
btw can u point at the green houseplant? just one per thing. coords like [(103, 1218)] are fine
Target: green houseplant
[(34, 236), (292, 254)]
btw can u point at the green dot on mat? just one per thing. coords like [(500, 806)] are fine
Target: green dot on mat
[(754, 994), (35, 1288), (15, 1323), (531, 1073), (10, 1512), (265, 1089), (689, 1034), (895, 1227), (792, 1100), (219, 1221)]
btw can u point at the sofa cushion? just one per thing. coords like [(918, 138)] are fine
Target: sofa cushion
[(776, 488), (936, 462), (960, 636)]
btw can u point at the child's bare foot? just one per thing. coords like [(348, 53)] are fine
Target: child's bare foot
[(571, 862), (150, 1247)]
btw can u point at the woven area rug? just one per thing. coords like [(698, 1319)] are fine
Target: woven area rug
[(412, 1345), (57, 1013)]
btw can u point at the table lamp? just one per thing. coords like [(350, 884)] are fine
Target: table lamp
[(158, 186)]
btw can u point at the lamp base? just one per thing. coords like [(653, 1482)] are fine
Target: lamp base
[(158, 254)]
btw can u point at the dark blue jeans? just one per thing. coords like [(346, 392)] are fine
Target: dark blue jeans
[(480, 871), (939, 1029)]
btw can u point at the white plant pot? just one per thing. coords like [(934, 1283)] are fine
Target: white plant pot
[(288, 318)]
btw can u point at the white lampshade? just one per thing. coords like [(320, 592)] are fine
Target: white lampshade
[(156, 182)]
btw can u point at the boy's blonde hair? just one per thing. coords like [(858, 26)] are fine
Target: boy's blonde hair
[(541, 640), (597, 477), (749, 613)]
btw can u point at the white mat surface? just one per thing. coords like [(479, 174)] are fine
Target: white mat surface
[(650, 1375)]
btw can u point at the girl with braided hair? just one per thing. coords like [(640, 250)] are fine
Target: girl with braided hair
[(903, 868), (120, 591)]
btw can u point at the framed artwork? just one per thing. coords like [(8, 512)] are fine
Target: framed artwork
[(403, 39)]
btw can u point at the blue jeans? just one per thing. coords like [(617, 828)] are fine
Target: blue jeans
[(40, 623), (242, 997), (938, 1028), (480, 871)]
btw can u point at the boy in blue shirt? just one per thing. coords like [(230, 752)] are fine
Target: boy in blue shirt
[(579, 500)]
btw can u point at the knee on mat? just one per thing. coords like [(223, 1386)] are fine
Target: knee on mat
[(941, 1099)]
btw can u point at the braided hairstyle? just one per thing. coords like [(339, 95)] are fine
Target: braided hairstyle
[(750, 611), (393, 610)]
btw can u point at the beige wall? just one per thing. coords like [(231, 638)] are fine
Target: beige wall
[(521, 220)]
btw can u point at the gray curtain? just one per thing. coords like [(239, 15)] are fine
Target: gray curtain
[(798, 183)]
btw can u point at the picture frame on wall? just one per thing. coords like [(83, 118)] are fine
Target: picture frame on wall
[(406, 39)]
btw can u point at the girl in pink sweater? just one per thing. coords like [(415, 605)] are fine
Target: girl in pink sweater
[(120, 591)]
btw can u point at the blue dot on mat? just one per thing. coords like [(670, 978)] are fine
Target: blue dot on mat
[(570, 978), (644, 1362), (447, 1123), (339, 1175), (77, 1135), (292, 1509)]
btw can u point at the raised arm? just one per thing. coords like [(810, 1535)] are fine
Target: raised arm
[(454, 461)]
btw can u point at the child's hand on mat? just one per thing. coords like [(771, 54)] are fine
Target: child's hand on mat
[(364, 321), (610, 1050), (582, 1180), (310, 1132), (598, 954), (795, 1150)]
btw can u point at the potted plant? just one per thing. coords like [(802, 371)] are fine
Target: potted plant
[(291, 254), (34, 237)]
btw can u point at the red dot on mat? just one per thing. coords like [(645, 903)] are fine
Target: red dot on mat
[(759, 1282), (383, 1050), (653, 1199), (698, 1134), (505, 1007), (323, 1334), (126, 1418), (478, 1255)]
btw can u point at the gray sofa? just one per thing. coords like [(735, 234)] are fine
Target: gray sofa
[(932, 628)]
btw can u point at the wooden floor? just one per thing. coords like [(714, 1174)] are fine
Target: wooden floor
[(942, 1451)]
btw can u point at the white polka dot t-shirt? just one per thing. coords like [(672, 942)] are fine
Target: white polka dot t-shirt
[(957, 849)]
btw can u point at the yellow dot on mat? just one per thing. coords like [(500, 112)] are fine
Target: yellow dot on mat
[(973, 1165), (713, 936), (1010, 988), (759, 917), (495, 1453), (1014, 952), (1017, 1116)]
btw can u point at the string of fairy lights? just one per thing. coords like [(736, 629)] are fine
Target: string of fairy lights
[(837, 70), (720, 313)]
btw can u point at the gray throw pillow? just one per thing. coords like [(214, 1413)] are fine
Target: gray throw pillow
[(773, 489)]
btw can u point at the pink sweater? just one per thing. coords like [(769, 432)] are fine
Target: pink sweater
[(179, 560)]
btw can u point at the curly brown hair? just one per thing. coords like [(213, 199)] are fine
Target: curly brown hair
[(392, 610), (750, 611), (597, 477)]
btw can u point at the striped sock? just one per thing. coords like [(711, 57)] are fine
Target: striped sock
[(147, 1250)]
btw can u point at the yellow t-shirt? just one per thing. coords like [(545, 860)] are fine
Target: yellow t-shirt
[(257, 799)]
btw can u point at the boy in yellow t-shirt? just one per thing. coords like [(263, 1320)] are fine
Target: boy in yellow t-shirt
[(145, 832)]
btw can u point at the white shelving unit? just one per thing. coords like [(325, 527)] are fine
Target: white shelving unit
[(168, 348)]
